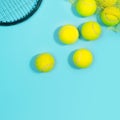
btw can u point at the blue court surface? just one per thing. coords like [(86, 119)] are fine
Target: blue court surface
[(65, 93)]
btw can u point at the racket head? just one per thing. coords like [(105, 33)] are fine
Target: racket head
[(13, 11)]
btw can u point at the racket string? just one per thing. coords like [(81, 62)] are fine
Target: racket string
[(2, 13), (24, 9), (5, 11), (17, 14), (19, 11), (8, 13)]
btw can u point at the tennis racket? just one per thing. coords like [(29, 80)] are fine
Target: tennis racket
[(16, 11)]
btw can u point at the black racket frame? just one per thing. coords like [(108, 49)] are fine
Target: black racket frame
[(24, 18)]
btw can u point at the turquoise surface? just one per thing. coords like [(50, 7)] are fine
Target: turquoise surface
[(65, 93)]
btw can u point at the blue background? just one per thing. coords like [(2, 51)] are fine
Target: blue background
[(65, 93)]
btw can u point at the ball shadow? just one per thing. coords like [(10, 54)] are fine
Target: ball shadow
[(79, 29), (32, 64), (80, 34), (56, 38), (99, 20), (70, 61), (75, 12)]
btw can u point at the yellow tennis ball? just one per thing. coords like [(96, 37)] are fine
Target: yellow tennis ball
[(44, 62), (68, 34), (82, 58), (91, 30), (86, 7), (110, 16), (106, 3)]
